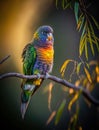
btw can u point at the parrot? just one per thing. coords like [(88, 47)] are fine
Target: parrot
[(37, 59)]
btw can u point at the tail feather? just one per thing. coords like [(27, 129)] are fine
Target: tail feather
[(27, 91), (25, 97), (24, 106)]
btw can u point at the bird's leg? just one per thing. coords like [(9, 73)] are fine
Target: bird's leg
[(38, 75), (46, 76)]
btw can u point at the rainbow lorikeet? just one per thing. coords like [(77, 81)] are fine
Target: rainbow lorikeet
[(37, 59)]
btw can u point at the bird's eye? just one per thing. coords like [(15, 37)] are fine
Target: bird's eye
[(44, 32)]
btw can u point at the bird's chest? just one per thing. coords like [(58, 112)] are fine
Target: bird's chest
[(44, 61), (45, 54)]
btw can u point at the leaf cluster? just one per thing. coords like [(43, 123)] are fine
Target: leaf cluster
[(86, 24)]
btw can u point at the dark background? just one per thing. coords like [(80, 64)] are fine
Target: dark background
[(18, 21)]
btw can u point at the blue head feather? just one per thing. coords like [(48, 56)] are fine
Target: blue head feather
[(42, 34)]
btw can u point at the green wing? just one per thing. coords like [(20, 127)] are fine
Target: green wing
[(29, 58)]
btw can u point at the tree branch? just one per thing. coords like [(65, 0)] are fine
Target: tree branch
[(55, 79), (4, 59)]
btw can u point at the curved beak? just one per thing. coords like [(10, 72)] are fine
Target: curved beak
[(49, 37)]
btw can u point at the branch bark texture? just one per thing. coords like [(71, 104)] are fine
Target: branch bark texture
[(85, 92)]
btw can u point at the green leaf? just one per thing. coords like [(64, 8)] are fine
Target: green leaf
[(86, 50), (84, 29), (95, 22), (96, 39), (82, 44), (88, 74), (72, 101), (62, 70), (68, 4), (79, 25), (87, 65), (82, 22), (78, 67), (59, 112), (80, 17), (90, 41), (92, 48), (76, 8)]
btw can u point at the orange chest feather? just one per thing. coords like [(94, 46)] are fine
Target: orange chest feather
[(45, 54)]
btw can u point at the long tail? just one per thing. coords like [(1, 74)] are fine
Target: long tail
[(28, 89), (26, 94)]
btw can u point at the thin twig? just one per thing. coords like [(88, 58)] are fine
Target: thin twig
[(55, 79), (4, 59)]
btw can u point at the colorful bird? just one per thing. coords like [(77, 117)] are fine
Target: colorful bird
[(37, 59)]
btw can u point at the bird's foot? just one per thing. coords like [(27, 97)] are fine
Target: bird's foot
[(46, 76), (38, 76)]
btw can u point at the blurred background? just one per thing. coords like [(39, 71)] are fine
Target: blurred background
[(18, 21)]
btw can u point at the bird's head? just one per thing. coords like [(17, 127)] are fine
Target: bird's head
[(44, 35)]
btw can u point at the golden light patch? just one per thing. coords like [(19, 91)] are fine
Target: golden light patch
[(17, 26)]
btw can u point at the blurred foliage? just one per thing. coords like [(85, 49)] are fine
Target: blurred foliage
[(87, 73), (73, 121), (85, 25), (88, 77)]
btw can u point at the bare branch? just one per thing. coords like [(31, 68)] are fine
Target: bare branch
[(55, 79), (4, 59)]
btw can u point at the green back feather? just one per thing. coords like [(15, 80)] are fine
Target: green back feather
[(29, 58)]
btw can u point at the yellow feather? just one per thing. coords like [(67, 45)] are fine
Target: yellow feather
[(37, 82)]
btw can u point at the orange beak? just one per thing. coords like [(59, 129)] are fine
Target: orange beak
[(49, 37)]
